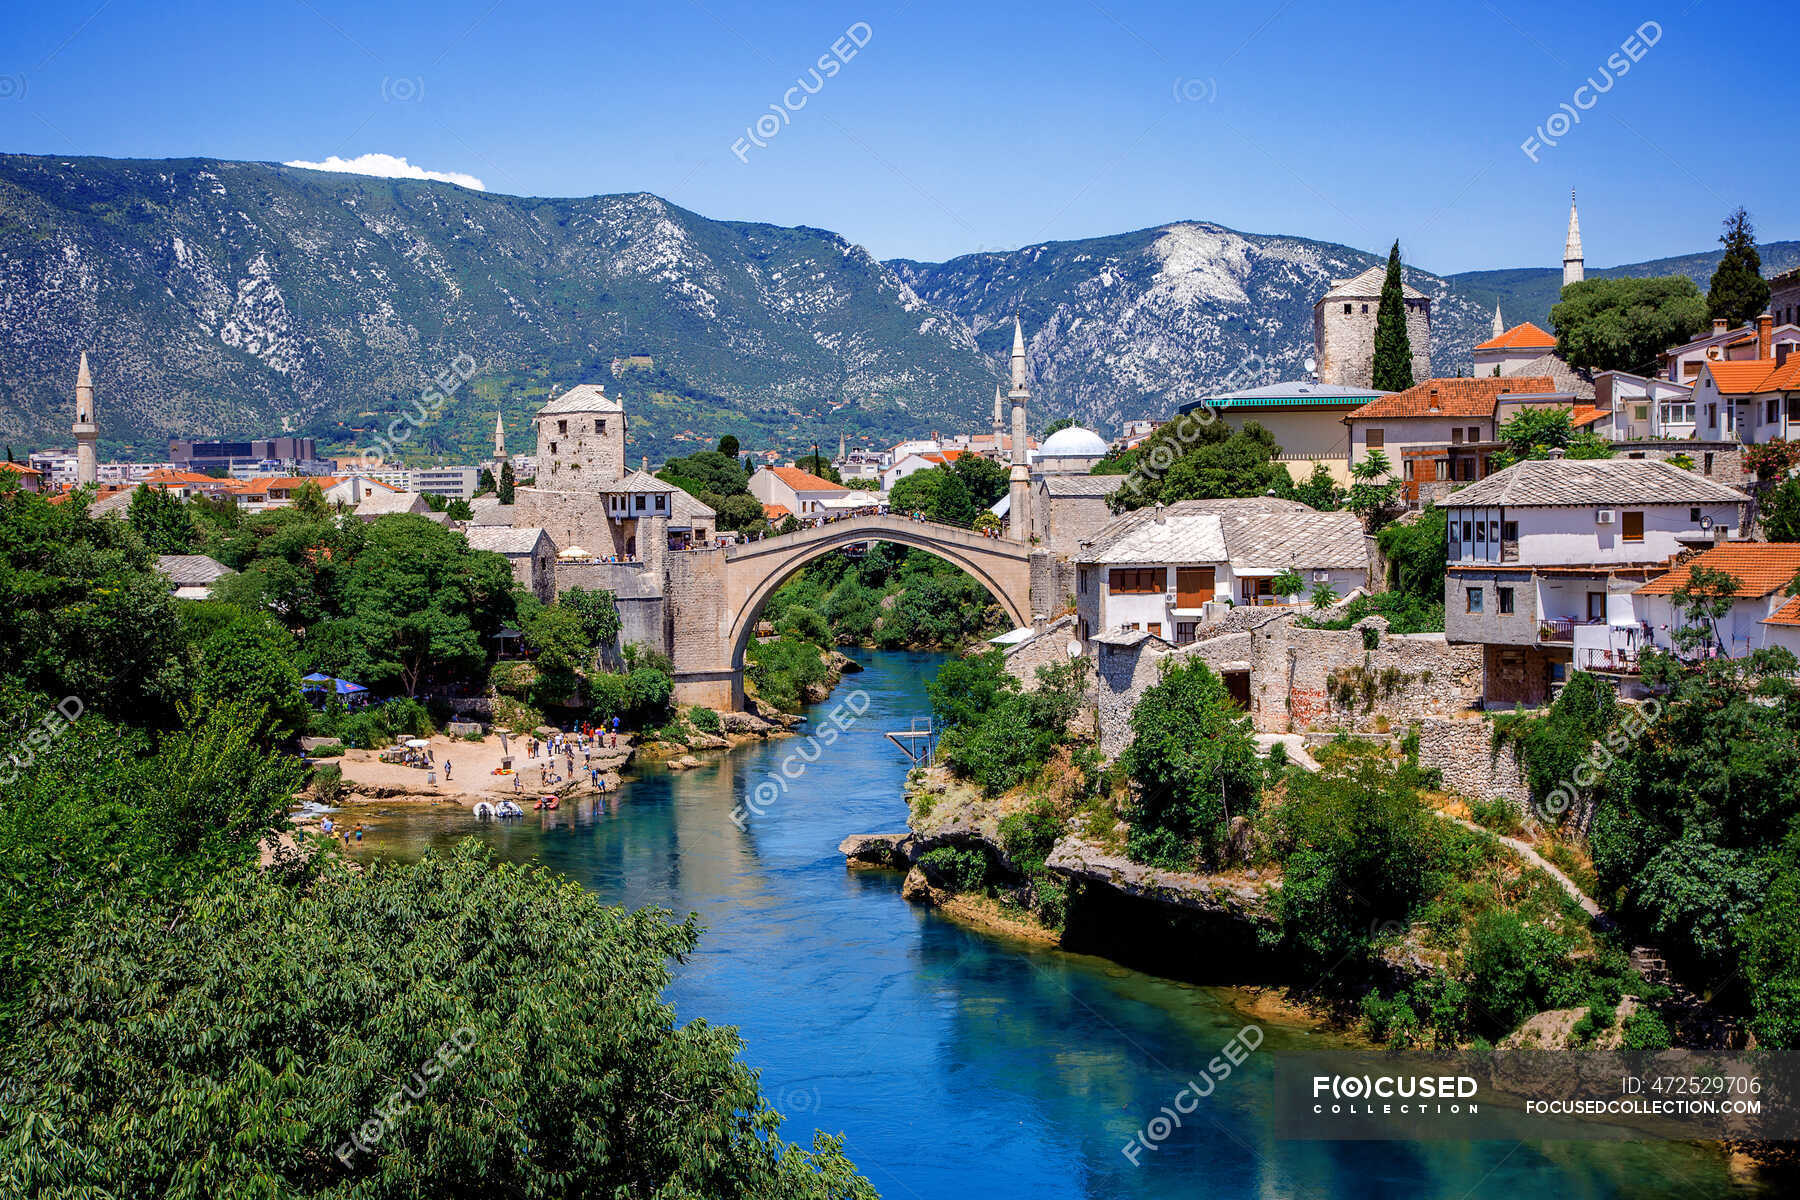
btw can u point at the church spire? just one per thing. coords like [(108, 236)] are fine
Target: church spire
[(87, 464), (1572, 262), (1499, 325)]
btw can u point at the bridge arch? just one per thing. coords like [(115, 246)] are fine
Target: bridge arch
[(756, 569)]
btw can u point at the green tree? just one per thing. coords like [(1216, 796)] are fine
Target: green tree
[(743, 513), (1781, 511), (1417, 553), (728, 446), (560, 649), (1625, 324), (1058, 425), (1738, 293), (598, 611), (707, 471), (818, 464), (162, 519), (459, 510), (1392, 366), (251, 661), (508, 484), (1703, 599), (986, 479), (357, 982), (1195, 458), (938, 492), (1193, 768), (1318, 490), (1374, 495), (485, 482)]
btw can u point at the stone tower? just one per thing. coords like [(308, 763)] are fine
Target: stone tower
[(1344, 329), (1572, 264), (499, 447), (87, 464), (999, 421), (580, 441), (1019, 489)]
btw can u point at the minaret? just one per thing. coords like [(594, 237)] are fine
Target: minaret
[(843, 453), (1499, 325), (499, 447), (1572, 272), (1020, 481), (999, 424), (87, 465)]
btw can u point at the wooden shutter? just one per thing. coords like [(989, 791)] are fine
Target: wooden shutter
[(1631, 526), (1193, 586)]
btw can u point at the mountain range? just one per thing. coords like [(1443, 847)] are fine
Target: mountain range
[(227, 298)]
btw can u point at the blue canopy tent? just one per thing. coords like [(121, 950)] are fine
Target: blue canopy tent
[(319, 684)]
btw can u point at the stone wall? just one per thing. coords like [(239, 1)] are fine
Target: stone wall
[(699, 627), (581, 451), (1464, 751), (1345, 341), (571, 519), (1726, 459), (637, 594), (1413, 677)]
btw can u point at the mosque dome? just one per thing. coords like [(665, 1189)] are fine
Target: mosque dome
[(1073, 442)]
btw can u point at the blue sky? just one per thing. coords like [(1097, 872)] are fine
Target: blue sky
[(961, 126)]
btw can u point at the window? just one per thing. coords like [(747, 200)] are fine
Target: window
[(1136, 580), (1155, 627), (553, 447), (1365, 310), (1407, 468), (1631, 526), (1474, 595), (1596, 606), (1712, 415), (1468, 531), (562, 427), (1456, 436), (600, 426), (640, 504), (1131, 627), (1773, 414), (1375, 439), (1184, 632), (1257, 591), (1506, 599), (1678, 414), (1474, 433), (1509, 531), (1706, 464), (1346, 310), (1693, 516), (1640, 412)]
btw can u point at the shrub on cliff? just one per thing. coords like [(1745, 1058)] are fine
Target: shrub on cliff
[(1193, 767), (993, 732)]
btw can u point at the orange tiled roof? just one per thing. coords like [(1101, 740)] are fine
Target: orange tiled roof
[(775, 512), (167, 476), (1585, 414), (1524, 336), (1760, 568), (1787, 614), (1756, 375), (19, 468), (1451, 397), (805, 481)]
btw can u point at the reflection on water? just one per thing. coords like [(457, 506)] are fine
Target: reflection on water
[(958, 1064)]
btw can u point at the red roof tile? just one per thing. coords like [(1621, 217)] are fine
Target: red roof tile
[(1787, 614), (1759, 567), (804, 481), (1452, 397), (1525, 336), (1756, 375)]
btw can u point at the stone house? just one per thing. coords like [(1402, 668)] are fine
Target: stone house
[(530, 552), (1544, 556), (387, 503), (1442, 430), (1169, 570)]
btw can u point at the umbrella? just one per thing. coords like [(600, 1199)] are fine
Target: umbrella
[(417, 744)]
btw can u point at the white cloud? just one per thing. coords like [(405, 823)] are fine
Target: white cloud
[(389, 166)]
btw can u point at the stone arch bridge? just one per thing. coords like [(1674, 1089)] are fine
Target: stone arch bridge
[(715, 596)]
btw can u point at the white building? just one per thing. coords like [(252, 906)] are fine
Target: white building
[(1645, 408), (1544, 556), (1507, 353), (800, 492), (1072, 450), (1167, 569), (1763, 571)]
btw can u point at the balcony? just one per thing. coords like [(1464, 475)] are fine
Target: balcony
[(1607, 661), (1561, 629)]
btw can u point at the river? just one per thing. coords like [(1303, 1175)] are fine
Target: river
[(959, 1064)]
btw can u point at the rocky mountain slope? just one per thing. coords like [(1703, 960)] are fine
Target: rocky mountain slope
[(246, 298)]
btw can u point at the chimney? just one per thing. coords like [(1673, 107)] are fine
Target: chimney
[(1720, 325), (1765, 328), (1558, 452), (1433, 404)]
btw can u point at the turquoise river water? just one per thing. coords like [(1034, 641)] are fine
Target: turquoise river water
[(959, 1064)]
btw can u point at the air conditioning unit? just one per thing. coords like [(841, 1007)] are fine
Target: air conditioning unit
[(1169, 599), (1321, 576), (1604, 516)]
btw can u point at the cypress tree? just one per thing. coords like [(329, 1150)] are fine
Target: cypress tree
[(1739, 292), (1393, 351), (507, 483)]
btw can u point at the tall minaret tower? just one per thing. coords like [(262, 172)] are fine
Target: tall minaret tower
[(499, 447), (87, 464), (999, 422), (1572, 272), (1499, 325), (1020, 481)]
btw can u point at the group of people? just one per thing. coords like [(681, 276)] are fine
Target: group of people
[(328, 828)]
